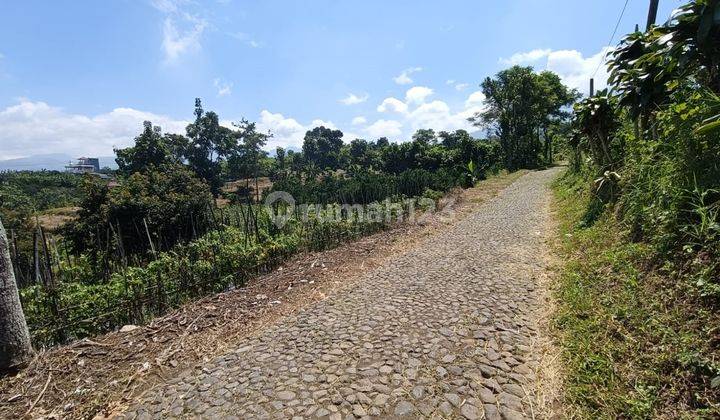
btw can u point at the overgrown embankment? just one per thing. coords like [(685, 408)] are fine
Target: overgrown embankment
[(638, 338)]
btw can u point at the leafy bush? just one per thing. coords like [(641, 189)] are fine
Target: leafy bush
[(169, 200), (221, 259), (367, 187)]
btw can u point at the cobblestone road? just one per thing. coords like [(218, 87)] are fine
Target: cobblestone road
[(446, 330)]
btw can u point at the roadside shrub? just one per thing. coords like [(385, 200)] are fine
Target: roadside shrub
[(168, 199)]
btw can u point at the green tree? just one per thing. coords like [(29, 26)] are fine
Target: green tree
[(425, 136), (360, 153), (150, 150), (520, 104), (321, 148), (209, 144), (555, 109), (280, 158), (169, 198), (245, 160)]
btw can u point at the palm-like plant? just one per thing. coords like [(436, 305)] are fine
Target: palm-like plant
[(595, 117), (640, 75), (689, 43)]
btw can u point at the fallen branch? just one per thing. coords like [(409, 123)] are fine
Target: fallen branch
[(39, 396)]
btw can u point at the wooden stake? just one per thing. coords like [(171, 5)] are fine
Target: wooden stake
[(147, 231)]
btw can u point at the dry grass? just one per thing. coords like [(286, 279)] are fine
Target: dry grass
[(549, 398), (100, 377), (52, 219)]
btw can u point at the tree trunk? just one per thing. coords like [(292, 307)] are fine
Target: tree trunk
[(15, 348)]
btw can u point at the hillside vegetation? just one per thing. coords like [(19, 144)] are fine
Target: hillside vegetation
[(639, 295), (156, 238)]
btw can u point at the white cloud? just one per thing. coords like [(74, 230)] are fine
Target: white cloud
[(288, 132), (36, 127), (525, 57), (404, 77), (415, 113), (353, 99), (476, 98), (322, 123), (247, 39), (417, 94), (385, 128), (31, 128), (392, 105), (574, 69), (167, 6), (223, 88), (182, 31), (359, 120), (457, 85), (438, 116), (177, 43)]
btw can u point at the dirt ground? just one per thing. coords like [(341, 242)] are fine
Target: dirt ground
[(99, 377)]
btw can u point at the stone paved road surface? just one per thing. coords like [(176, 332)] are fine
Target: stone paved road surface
[(446, 330)]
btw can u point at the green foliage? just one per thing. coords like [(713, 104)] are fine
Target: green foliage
[(321, 148), (653, 139), (522, 108), (220, 260), (634, 342), (597, 120), (151, 149), (39, 190), (209, 145), (454, 152), (168, 198), (245, 159), (368, 187), (648, 277)]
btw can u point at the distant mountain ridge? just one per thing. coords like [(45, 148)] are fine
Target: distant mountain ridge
[(49, 162)]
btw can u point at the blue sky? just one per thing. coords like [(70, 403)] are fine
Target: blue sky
[(78, 77)]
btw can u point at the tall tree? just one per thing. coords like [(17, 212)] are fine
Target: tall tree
[(247, 153), (426, 136), (520, 103), (280, 158), (149, 150), (15, 348), (321, 147), (554, 108), (360, 153), (209, 145)]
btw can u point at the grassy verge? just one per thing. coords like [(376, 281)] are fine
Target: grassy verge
[(637, 340)]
